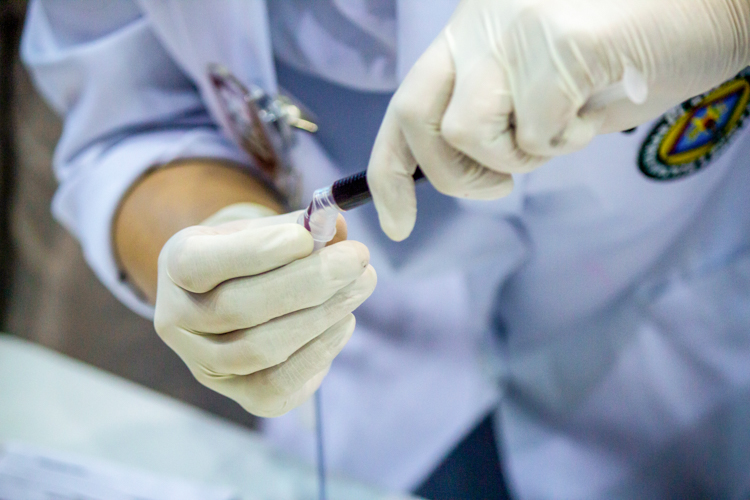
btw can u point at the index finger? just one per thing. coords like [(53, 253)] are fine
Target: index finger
[(199, 258)]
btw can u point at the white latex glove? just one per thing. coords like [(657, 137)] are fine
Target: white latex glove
[(502, 87), (253, 314)]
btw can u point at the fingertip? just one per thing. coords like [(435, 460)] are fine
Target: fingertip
[(345, 261), (397, 209), (362, 252), (301, 236), (179, 257), (366, 283), (342, 231), (345, 329), (374, 275), (397, 214), (397, 228)]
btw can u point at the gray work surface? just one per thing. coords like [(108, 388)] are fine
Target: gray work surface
[(54, 402)]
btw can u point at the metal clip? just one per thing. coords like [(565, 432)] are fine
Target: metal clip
[(262, 125)]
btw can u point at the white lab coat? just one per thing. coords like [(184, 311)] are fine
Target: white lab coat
[(606, 315)]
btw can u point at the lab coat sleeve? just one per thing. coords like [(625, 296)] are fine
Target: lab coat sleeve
[(127, 108)]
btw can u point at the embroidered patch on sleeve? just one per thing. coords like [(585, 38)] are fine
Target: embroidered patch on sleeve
[(690, 135)]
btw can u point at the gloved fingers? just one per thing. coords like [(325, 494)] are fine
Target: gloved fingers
[(550, 125), (420, 104), (297, 398), (231, 387), (273, 388), (308, 389), (247, 351), (246, 302), (551, 80), (410, 134), (455, 174), (276, 390), (199, 258), (479, 118)]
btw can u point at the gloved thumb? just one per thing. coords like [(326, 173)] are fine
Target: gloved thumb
[(389, 177)]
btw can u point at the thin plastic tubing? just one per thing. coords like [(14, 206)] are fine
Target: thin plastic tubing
[(320, 450), (320, 220)]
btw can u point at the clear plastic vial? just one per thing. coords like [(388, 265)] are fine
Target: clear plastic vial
[(320, 217)]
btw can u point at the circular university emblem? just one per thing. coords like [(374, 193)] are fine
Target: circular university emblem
[(688, 136)]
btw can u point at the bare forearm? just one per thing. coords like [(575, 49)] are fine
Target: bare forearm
[(172, 198)]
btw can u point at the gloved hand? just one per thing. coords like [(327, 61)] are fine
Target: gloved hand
[(502, 88), (252, 312)]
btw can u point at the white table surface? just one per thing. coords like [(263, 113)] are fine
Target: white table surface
[(57, 403)]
